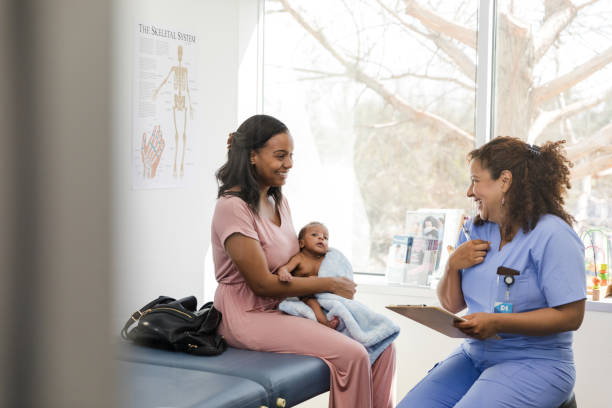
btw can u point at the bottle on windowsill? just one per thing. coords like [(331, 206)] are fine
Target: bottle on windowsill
[(596, 289)]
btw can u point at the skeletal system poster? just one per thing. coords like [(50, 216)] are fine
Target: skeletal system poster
[(166, 121)]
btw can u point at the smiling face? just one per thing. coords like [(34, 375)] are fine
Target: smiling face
[(273, 160), (315, 239), (487, 193)]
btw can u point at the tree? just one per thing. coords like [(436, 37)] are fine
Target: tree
[(520, 97), (529, 104)]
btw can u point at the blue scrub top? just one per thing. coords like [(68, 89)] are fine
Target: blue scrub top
[(550, 259)]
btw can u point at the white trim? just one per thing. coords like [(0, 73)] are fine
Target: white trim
[(250, 58), (261, 12), (485, 71)]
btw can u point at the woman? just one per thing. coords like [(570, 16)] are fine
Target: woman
[(252, 235), (522, 279)]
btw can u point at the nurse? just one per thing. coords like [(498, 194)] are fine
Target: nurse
[(521, 276)]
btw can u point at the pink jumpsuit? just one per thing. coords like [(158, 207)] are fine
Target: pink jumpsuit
[(253, 322)]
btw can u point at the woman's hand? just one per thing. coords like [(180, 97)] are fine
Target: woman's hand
[(479, 325), (468, 254), (248, 256), (343, 287)]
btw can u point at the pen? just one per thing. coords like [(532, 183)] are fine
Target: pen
[(466, 232)]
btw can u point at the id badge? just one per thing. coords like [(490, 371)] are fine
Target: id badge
[(502, 307), (508, 280)]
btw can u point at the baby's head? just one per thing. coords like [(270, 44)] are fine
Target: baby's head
[(313, 237)]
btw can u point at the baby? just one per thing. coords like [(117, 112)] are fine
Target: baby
[(313, 240)]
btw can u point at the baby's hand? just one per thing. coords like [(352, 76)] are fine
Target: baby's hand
[(333, 323), (284, 275)]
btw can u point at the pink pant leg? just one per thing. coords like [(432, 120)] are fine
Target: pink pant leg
[(351, 390), (383, 375)]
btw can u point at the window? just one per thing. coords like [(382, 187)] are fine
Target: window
[(380, 96), (553, 70), (381, 102)]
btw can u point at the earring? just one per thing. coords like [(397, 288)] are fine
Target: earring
[(503, 201)]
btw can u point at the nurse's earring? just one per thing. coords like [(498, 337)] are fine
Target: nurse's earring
[(503, 202)]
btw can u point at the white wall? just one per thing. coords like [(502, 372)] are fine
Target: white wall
[(161, 235)]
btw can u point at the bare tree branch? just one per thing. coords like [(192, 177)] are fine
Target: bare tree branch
[(565, 82), (598, 142), (552, 27), (357, 31), (400, 19), (588, 3), (595, 153), (432, 78), (465, 64), (398, 103), (392, 76), (385, 125), (547, 118), (317, 78), (566, 125), (592, 167), (439, 24), (316, 71)]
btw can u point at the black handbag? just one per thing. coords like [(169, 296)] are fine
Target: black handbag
[(176, 325)]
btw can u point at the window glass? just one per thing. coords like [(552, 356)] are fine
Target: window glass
[(553, 64), (380, 98)]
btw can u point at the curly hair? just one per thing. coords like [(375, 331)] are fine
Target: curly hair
[(540, 178), (237, 171)]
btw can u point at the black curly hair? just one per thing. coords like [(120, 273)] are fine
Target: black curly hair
[(540, 178)]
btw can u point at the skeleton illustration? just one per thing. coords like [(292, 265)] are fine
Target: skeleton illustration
[(181, 86)]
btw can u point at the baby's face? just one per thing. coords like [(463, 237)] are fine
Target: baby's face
[(315, 240)]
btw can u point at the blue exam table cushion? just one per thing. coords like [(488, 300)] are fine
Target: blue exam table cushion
[(148, 386), (295, 378)]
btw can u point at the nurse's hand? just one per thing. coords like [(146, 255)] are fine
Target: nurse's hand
[(479, 325), (468, 254)]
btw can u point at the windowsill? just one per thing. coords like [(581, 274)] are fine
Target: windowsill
[(377, 285), (603, 305)]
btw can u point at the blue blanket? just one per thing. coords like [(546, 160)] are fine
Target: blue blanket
[(357, 321)]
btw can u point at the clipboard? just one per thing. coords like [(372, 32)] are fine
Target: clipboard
[(433, 317)]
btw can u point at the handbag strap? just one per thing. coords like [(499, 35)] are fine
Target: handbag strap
[(137, 314)]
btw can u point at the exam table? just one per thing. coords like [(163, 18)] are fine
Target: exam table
[(234, 379)]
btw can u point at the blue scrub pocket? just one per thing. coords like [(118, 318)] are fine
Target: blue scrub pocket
[(513, 299), (520, 294)]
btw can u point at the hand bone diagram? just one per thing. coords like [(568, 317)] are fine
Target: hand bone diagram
[(151, 151)]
